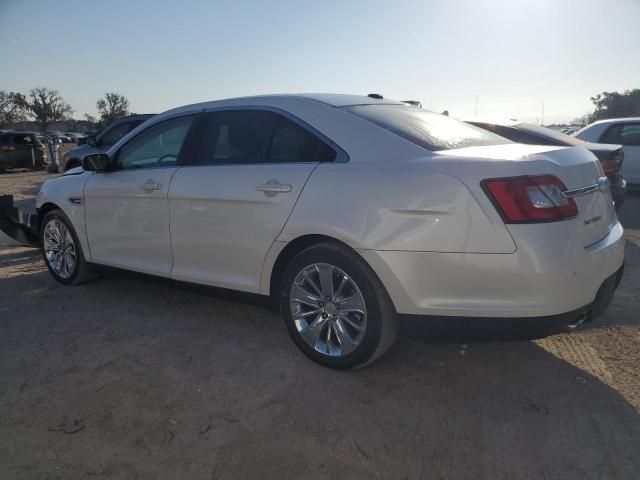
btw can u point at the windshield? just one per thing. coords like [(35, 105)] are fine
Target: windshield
[(550, 133), (426, 129)]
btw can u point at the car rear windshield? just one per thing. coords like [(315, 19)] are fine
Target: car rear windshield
[(426, 129), (560, 137)]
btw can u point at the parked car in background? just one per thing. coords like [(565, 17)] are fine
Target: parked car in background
[(347, 210), (21, 150), (59, 135), (611, 156), (101, 141), (623, 131), (74, 136)]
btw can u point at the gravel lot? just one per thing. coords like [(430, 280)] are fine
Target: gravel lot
[(125, 378)]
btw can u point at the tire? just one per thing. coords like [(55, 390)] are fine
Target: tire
[(377, 323), (81, 271)]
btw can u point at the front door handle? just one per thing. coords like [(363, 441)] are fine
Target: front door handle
[(150, 186), (273, 187)]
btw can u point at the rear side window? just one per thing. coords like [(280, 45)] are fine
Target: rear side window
[(426, 129), (611, 135), (24, 139), (630, 135), (257, 136)]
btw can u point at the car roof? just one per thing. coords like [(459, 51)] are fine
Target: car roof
[(276, 100), (616, 120), (21, 132)]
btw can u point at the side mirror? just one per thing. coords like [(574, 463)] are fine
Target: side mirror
[(91, 141), (98, 162)]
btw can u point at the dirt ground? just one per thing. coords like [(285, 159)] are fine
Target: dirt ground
[(125, 378)]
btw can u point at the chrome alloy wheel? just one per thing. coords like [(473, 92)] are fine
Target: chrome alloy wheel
[(59, 248), (328, 309)]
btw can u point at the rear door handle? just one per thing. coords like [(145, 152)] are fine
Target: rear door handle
[(150, 186), (273, 187)]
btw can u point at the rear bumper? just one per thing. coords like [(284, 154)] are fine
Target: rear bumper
[(527, 283)]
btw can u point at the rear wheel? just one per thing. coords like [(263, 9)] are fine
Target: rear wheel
[(61, 250), (335, 307)]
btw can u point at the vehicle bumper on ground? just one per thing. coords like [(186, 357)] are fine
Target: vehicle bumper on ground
[(17, 227), (521, 284)]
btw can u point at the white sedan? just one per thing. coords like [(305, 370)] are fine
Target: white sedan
[(349, 211), (619, 131)]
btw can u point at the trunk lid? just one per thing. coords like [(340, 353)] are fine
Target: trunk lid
[(575, 166)]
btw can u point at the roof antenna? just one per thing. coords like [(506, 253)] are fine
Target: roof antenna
[(377, 96)]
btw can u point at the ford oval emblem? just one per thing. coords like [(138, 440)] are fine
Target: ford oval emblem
[(603, 184)]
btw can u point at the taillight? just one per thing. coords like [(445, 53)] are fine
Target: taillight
[(7, 148), (613, 165), (530, 199)]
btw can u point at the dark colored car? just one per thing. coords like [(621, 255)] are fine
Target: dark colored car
[(21, 150), (610, 156), (101, 141)]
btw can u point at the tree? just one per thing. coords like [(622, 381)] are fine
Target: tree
[(90, 118), (112, 107), (12, 108), (615, 105), (47, 106)]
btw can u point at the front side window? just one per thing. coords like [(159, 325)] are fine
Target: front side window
[(258, 136), (157, 146), (426, 129)]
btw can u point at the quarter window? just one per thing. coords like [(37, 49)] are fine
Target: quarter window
[(157, 146), (291, 143)]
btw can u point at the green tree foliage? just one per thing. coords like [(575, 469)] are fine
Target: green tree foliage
[(47, 106), (13, 108), (112, 107), (616, 105)]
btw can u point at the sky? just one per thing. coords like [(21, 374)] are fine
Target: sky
[(507, 56)]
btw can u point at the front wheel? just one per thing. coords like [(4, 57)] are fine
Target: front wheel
[(335, 307), (61, 250)]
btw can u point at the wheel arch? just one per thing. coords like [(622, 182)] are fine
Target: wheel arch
[(290, 250)]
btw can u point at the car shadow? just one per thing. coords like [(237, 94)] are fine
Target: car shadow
[(161, 381)]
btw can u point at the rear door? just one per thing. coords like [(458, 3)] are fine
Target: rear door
[(230, 205), (24, 154), (127, 209), (626, 134), (7, 151)]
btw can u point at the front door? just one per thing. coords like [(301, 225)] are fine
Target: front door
[(127, 208), (230, 206)]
